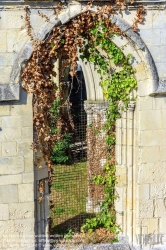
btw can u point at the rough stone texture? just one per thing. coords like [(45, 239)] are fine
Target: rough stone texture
[(25, 192), (9, 92), (21, 210), (9, 149), (47, 27), (8, 194), (5, 110), (25, 54), (11, 122), (158, 190), (4, 212), (147, 121), (152, 172), (146, 208), (10, 179), (11, 165), (28, 178)]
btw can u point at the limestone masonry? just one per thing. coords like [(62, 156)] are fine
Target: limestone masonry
[(141, 131)]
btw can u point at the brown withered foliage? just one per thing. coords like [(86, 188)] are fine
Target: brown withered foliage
[(62, 42), (140, 17), (37, 75)]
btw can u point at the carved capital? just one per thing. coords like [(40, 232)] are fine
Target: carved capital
[(131, 106), (99, 107)]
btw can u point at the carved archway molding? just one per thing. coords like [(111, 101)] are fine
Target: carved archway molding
[(148, 85)]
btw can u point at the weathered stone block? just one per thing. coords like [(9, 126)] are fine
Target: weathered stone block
[(5, 74), (161, 69), (163, 37), (16, 38), (135, 38), (7, 227), (27, 134), (119, 203), (74, 9), (25, 149), (124, 26), (10, 179), (11, 165), (153, 137), (9, 92), (153, 225), (29, 243), (162, 225), (121, 175), (47, 27), (64, 16), (157, 190), (146, 208), (151, 37), (144, 89), (152, 173), (26, 192), (159, 102), (28, 162), (135, 60), (25, 225), (12, 19), (120, 41), (28, 178), (8, 194), (5, 71), (151, 119), (9, 149), (160, 207), (10, 134), (156, 53), (11, 121), (4, 110), (24, 54), (6, 59), (144, 191), (23, 109), (3, 45), (158, 20), (149, 154), (4, 212), (21, 210), (162, 153), (27, 121), (146, 103)]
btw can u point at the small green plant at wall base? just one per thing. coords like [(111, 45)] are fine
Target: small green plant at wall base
[(60, 149), (68, 235)]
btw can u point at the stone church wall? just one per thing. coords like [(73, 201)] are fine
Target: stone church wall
[(142, 138)]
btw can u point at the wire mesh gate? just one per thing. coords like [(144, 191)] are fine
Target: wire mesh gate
[(73, 196), (69, 186)]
